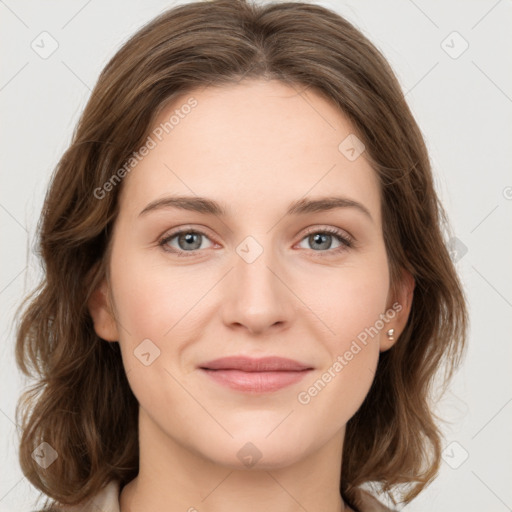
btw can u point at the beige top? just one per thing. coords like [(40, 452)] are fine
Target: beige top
[(107, 500)]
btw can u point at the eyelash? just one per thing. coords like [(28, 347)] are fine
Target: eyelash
[(347, 242)]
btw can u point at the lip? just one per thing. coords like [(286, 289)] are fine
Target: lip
[(255, 375), (252, 364)]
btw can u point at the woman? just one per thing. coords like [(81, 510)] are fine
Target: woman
[(247, 293)]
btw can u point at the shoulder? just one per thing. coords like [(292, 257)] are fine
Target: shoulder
[(368, 503), (107, 500)]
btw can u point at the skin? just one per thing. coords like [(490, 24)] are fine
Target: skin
[(255, 147)]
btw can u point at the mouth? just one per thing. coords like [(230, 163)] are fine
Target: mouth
[(252, 375)]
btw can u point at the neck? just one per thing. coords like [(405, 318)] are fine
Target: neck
[(174, 478)]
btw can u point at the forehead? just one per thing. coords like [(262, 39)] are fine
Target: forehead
[(249, 143)]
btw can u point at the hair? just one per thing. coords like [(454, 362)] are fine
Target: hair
[(81, 403)]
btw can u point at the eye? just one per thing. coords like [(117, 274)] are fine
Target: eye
[(191, 240), (320, 240), (187, 240)]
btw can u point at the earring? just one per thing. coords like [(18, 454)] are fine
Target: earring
[(390, 334)]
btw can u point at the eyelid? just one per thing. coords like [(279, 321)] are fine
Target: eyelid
[(170, 234), (346, 240), (331, 230)]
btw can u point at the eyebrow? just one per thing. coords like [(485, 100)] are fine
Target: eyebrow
[(210, 207)]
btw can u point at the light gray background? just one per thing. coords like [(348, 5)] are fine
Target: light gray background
[(464, 108)]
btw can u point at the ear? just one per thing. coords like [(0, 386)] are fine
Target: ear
[(401, 304), (101, 312)]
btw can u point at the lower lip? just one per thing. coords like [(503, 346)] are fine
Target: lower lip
[(256, 382)]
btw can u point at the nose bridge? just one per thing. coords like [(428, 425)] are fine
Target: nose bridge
[(256, 297)]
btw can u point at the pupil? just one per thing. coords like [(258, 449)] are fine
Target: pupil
[(320, 238), (191, 240)]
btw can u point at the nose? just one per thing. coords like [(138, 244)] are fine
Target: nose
[(258, 298)]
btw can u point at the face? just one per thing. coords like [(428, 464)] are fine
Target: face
[(251, 263)]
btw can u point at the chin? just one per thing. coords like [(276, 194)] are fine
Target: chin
[(257, 450)]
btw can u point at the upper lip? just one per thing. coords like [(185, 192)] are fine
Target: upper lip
[(249, 364)]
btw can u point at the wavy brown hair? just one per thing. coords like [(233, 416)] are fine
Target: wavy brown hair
[(81, 403)]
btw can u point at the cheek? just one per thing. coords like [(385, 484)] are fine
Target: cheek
[(349, 299), (153, 308), (152, 299), (338, 388), (352, 305), (359, 306)]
